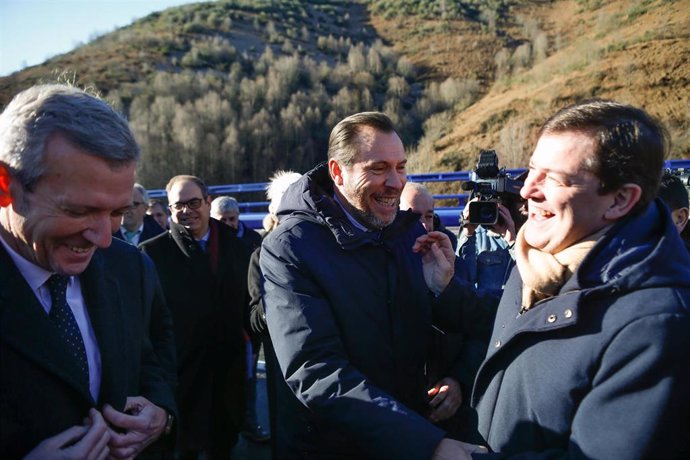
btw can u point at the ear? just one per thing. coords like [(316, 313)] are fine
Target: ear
[(336, 172), (680, 218), (624, 199), (5, 179)]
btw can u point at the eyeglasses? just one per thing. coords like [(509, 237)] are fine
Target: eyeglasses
[(194, 203)]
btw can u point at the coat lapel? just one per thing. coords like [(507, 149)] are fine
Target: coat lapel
[(198, 260), (103, 301), (25, 326)]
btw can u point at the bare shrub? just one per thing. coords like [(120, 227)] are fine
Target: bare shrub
[(522, 57), (540, 46), (513, 145), (502, 60)]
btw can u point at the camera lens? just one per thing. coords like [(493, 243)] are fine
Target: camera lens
[(483, 212)]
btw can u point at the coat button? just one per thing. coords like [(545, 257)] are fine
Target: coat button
[(568, 313), (497, 344), (551, 318)]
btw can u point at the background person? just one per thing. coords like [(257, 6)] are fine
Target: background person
[(159, 211), (227, 210), (203, 272), (675, 196), (445, 392), (278, 184), (137, 226)]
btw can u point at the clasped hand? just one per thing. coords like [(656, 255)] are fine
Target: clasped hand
[(110, 434)]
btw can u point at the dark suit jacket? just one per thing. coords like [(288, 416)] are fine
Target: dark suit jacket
[(251, 238), (39, 395), (207, 306), (151, 229)]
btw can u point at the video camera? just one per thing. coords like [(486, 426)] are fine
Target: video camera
[(488, 183)]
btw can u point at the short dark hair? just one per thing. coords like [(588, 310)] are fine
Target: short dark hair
[(343, 141), (160, 203), (187, 178), (631, 145), (673, 192)]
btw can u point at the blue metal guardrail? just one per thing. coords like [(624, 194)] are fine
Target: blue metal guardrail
[(253, 212)]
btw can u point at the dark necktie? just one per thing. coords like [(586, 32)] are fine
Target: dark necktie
[(203, 244), (61, 314)]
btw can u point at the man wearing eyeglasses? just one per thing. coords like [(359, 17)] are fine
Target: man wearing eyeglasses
[(203, 271), (137, 226)]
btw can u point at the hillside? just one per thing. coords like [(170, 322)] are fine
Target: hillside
[(542, 56), (234, 89)]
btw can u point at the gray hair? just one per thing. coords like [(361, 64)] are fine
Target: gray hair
[(224, 204), (144, 194), (85, 120), (417, 187)]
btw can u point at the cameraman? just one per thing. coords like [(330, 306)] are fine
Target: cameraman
[(485, 252)]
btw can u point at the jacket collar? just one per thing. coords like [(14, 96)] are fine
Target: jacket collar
[(27, 328), (104, 303), (312, 198), (638, 252)]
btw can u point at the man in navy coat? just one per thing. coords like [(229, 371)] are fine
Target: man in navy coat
[(78, 372), (590, 353), (348, 306)]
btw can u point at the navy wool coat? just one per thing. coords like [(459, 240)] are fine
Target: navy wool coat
[(601, 370)]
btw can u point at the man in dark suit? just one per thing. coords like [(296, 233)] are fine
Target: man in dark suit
[(137, 226), (203, 270), (78, 373)]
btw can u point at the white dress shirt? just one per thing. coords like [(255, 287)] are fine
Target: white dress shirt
[(37, 277), (136, 237)]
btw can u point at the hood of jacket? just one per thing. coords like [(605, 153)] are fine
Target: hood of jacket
[(639, 252), (311, 198)]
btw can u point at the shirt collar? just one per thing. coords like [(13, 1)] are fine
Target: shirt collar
[(33, 274), (206, 236), (350, 217)]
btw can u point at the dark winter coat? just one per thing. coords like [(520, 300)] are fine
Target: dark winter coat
[(206, 293), (602, 370), (39, 394), (349, 315)]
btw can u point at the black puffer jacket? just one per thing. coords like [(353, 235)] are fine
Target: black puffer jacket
[(349, 315)]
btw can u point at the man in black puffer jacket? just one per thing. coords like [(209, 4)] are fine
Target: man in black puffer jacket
[(348, 307)]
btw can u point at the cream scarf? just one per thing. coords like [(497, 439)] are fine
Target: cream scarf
[(544, 274)]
